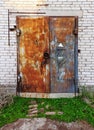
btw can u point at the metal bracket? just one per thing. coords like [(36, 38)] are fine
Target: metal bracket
[(79, 51), (12, 29)]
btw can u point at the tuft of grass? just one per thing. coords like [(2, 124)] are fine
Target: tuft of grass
[(88, 94), (14, 111), (73, 109)]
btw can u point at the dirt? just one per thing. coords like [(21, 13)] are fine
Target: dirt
[(46, 124)]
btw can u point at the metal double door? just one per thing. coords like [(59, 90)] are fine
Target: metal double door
[(47, 54)]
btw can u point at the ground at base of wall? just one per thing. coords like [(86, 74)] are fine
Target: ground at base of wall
[(5, 100), (88, 95), (7, 90), (46, 124)]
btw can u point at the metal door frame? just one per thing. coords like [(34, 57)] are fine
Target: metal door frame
[(18, 90)]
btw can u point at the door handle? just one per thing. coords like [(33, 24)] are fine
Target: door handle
[(46, 56)]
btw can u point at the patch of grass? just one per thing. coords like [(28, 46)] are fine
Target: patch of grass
[(73, 109), (14, 111)]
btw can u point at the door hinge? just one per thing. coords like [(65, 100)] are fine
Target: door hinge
[(19, 78), (18, 32), (75, 31)]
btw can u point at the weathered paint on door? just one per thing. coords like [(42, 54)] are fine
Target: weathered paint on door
[(46, 56), (62, 41), (33, 45)]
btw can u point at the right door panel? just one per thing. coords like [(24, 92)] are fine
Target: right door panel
[(62, 48)]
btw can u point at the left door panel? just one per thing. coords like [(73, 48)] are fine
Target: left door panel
[(33, 47)]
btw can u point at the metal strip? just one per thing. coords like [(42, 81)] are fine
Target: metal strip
[(49, 60), (8, 30), (17, 39), (42, 4), (47, 95), (76, 57), (27, 12)]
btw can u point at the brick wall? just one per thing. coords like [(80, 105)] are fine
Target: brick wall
[(8, 54)]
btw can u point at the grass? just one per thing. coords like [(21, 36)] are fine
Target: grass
[(14, 111), (73, 109)]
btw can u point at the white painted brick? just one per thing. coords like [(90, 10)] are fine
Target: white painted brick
[(8, 54)]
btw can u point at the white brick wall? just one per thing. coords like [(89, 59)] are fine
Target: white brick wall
[(8, 54)]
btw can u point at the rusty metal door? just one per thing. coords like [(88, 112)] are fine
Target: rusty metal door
[(63, 34), (33, 58), (47, 57)]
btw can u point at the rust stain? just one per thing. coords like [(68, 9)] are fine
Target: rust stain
[(68, 74), (63, 26), (34, 41)]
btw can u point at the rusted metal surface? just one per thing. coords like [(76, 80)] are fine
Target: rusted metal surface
[(76, 57), (47, 53), (62, 42), (33, 43)]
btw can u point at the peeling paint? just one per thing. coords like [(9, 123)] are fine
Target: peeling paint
[(53, 36), (33, 42)]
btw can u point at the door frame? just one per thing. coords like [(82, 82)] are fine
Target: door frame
[(50, 95)]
